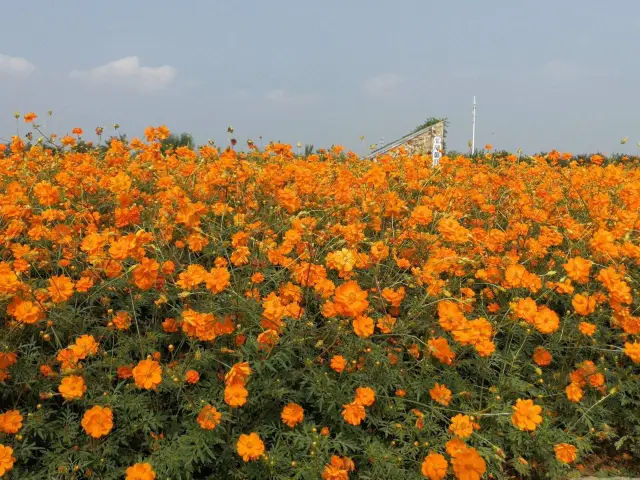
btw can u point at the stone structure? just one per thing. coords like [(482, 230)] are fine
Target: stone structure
[(420, 142)]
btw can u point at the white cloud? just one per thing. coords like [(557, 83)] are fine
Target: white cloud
[(128, 73), (282, 97), (15, 66), (383, 85)]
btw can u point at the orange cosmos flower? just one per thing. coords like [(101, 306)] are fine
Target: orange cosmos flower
[(526, 415), (7, 359), (192, 376), (587, 328), (632, 350), (577, 269), (67, 358), (455, 446), (10, 422), (439, 348), (546, 321), (147, 374), (145, 274), (30, 117), (238, 374), (250, 447), (27, 312), (235, 395), (440, 394), (338, 363), (583, 304), (292, 414), (170, 325), (97, 421), (124, 372), (565, 452), (350, 300), (596, 380), (72, 387), (6, 459), (85, 345), (385, 324), (461, 426), (77, 131), (60, 288), (353, 413), (468, 464), (122, 320), (542, 357), (140, 471), (209, 417), (193, 276), (338, 469), (363, 326), (434, 466), (365, 396)]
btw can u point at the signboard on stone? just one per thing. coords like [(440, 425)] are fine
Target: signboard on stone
[(428, 140)]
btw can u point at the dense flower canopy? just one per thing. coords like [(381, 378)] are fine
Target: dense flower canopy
[(171, 312)]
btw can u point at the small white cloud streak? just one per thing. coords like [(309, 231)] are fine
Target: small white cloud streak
[(15, 66), (128, 73)]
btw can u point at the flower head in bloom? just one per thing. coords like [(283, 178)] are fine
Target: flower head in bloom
[(10, 422), (250, 447), (292, 414), (30, 117), (97, 421), (441, 394), (574, 392), (353, 413), (192, 376), (72, 387), (6, 459), (439, 348), (365, 396), (338, 469), (468, 464), (565, 452), (632, 350), (147, 374), (461, 426), (85, 345), (434, 466), (350, 300), (542, 356), (209, 417), (238, 374), (140, 471), (60, 288), (363, 326), (526, 415), (455, 446), (338, 363), (235, 395), (587, 328)]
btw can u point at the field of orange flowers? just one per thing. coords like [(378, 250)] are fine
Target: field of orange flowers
[(214, 314)]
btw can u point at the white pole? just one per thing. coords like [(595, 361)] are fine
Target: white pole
[(473, 133)]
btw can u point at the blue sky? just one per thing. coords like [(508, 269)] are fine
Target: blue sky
[(547, 74)]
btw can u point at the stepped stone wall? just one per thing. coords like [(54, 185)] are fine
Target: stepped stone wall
[(423, 143), (420, 142)]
